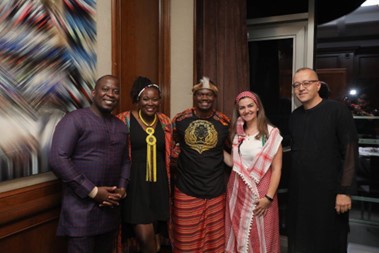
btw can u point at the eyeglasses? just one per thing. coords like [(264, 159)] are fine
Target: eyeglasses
[(305, 84)]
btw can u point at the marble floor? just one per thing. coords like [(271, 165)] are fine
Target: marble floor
[(351, 248), (358, 248)]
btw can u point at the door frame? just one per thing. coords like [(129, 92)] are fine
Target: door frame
[(299, 27)]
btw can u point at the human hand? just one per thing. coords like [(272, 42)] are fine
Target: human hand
[(107, 196), (343, 203), (121, 192), (262, 206)]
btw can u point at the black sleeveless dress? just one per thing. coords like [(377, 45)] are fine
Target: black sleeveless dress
[(146, 202)]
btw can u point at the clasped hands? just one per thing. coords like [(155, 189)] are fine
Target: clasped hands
[(109, 196)]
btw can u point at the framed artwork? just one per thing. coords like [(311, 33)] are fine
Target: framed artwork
[(47, 68)]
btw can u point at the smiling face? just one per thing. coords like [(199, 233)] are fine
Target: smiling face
[(149, 101), (106, 95), (204, 99), (309, 95), (247, 109)]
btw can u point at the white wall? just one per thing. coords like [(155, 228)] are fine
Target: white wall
[(182, 41), (104, 37)]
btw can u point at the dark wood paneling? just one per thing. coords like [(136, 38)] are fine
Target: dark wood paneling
[(34, 235), (336, 79), (140, 34), (328, 61), (368, 66), (28, 219), (222, 48), (361, 66), (24, 202), (367, 75), (344, 59), (164, 57)]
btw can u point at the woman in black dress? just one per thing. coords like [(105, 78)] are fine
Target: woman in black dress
[(146, 206)]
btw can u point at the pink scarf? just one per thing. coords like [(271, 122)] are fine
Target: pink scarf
[(239, 218)]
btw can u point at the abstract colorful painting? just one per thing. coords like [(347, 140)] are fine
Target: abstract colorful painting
[(47, 68)]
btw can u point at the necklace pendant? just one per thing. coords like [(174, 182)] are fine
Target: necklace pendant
[(149, 130), (144, 122), (151, 140)]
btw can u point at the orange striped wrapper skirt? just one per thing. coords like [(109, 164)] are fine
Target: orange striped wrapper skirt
[(199, 224)]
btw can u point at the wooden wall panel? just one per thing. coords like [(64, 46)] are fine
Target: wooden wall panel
[(367, 66), (38, 237), (336, 79), (222, 48), (333, 60), (140, 39), (360, 64), (328, 61), (367, 75), (29, 217)]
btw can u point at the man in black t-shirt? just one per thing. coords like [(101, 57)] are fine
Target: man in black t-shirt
[(200, 134)]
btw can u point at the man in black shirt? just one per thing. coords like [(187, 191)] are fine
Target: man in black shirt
[(199, 203), (324, 155)]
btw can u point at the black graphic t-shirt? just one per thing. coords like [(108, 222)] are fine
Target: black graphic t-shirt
[(200, 166)]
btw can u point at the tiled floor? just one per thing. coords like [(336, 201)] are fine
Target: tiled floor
[(363, 238), (351, 248), (364, 228), (358, 248)]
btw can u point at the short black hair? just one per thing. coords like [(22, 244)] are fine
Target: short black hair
[(140, 83), (105, 77)]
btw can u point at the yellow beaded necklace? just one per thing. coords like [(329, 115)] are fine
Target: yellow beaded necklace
[(151, 152)]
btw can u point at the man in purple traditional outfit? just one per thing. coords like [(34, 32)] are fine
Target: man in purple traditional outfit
[(89, 154)]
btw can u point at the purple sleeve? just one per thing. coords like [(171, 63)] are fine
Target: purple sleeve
[(65, 138), (125, 169)]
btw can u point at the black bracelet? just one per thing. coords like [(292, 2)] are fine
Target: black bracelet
[(269, 198)]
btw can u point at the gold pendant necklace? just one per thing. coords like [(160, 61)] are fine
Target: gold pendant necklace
[(144, 122), (151, 152)]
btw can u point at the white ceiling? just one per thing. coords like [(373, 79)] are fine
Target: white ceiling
[(360, 28)]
